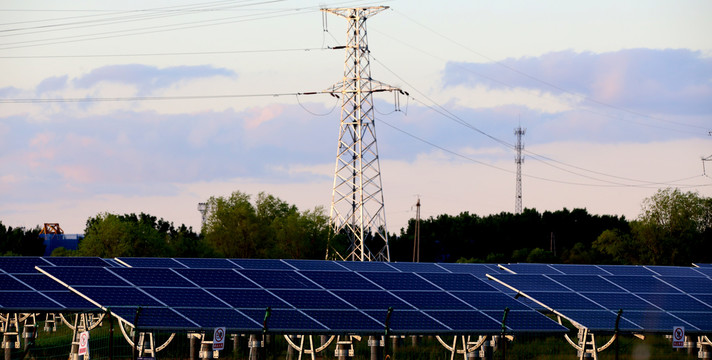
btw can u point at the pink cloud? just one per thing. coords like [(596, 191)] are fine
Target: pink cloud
[(258, 116)]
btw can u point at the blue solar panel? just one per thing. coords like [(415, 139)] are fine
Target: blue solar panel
[(621, 300), (207, 263), (696, 319), (676, 302), (467, 320), (286, 320), (21, 264), (419, 267), (69, 300), (250, 298), (570, 269), (601, 320), (216, 278), (363, 266), (590, 283), (707, 271), (524, 321), (703, 265), (346, 320), (673, 270), (152, 277), (311, 299), (398, 281), (178, 297), (537, 269), (150, 262), (479, 270), (626, 270), (228, 318), (117, 296), (155, 318), (409, 321), (432, 300), (455, 282), (264, 264), (26, 300), (372, 300), (9, 283), (337, 280), (641, 284), (76, 261), (76, 277), (564, 301), (314, 265), (657, 321), (279, 279), (530, 282), (489, 300), (39, 282)]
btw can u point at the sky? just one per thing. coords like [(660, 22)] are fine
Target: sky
[(134, 106)]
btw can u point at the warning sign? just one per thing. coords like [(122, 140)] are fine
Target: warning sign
[(219, 338), (84, 344), (678, 337)]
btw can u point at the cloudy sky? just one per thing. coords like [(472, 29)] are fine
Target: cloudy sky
[(153, 107)]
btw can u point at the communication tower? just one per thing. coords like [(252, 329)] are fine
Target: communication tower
[(519, 159), (357, 208)]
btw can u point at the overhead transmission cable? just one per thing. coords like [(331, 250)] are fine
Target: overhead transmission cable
[(446, 113), (547, 83)]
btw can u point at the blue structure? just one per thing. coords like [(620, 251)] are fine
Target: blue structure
[(67, 241)]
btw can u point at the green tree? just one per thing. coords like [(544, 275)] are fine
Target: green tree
[(674, 228), (19, 241), (232, 228), (111, 235)]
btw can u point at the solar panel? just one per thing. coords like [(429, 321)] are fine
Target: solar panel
[(21, 264), (364, 266), (571, 269), (263, 264), (418, 267), (477, 269), (149, 262), (649, 302), (673, 270), (314, 265), (207, 263), (525, 268), (301, 301), (703, 265)]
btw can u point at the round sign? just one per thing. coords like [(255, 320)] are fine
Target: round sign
[(678, 334), (219, 335)]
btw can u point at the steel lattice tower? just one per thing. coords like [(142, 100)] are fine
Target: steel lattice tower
[(519, 159), (357, 208)]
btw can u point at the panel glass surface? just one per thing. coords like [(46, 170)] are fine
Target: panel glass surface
[(264, 264), (228, 318), (588, 283), (571, 269), (150, 262), (408, 321), (432, 300), (76, 261), (419, 267), (702, 321), (39, 282), (537, 269), (179, 297), (26, 300), (250, 298), (291, 321), (345, 320), (564, 300), (530, 282), (314, 265), (8, 283), (467, 321), (279, 279), (207, 263), (524, 321), (673, 270), (398, 281), (654, 320), (87, 276), (620, 300), (603, 320), (152, 277), (363, 266), (336, 280), (21, 264), (372, 300), (696, 285), (155, 318), (311, 299), (490, 300), (626, 270), (642, 284), (217, 278), (479, 270), (676, 302), (457, 282), (117, 296)]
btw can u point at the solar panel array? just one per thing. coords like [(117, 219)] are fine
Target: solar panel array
[(321, 297), (24, 289), (653, 298)]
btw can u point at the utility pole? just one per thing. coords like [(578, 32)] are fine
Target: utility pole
[(519, 159), (416, 237), (357, 207)]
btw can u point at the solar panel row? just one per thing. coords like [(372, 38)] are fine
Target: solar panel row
[(650, 303), (302, 301)]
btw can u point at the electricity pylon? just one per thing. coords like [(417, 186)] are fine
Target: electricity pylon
[(519, 159), (357, 208)]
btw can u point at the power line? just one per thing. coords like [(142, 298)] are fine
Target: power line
[(547, 83), (183, 53)]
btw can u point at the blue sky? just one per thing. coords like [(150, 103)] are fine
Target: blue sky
[(616, 99)]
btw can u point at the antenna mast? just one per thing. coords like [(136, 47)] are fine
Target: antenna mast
[(519, 159), (357, 208)]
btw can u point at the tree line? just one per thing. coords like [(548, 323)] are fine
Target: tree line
[(674, 228)]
